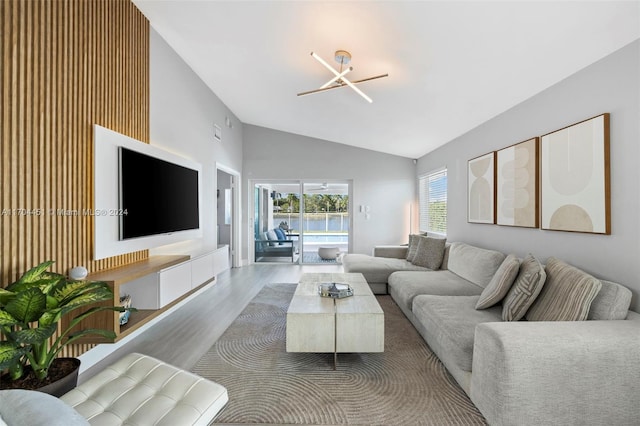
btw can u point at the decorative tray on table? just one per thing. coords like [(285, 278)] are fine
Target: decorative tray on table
[(335, 290)]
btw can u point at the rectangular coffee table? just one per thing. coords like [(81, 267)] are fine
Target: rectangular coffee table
[(325, 325)]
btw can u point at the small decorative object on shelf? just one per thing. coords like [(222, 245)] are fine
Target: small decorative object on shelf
[(335, 290), (78, 273), (125, 302)]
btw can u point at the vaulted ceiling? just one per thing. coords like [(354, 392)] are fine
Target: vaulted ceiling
[(452, 65)]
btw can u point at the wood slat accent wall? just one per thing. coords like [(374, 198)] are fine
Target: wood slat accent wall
[(66, 64)]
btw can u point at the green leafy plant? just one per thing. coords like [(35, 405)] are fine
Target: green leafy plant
[(30, 311)]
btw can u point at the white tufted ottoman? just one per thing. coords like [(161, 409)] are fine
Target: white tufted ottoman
[(140, 390)]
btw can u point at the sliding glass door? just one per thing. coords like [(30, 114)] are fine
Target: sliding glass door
[(276, 218), (325, 221), (313, 216)]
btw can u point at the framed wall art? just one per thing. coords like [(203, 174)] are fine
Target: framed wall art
[(574, 173), (517, 184), (481, 189)]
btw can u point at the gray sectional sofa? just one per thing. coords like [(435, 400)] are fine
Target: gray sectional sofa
[(517, 372)]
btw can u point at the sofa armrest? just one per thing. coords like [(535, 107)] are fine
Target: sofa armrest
[(398, 252), (557, 373)]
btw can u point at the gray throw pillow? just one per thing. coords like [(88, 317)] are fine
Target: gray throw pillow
[(611, 303), (500, 283), (567, 295), (524, 290), (430, 252), (413, 246), (272, 236)]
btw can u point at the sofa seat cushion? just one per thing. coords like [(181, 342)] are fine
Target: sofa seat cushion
[(405, 285), (377, 269), (450, 323)]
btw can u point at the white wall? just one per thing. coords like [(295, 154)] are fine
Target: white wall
[(610, 85), (183, 112), (384, 182)]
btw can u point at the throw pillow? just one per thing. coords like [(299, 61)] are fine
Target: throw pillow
[(413, 247), (567, 295), (500, 283), (430, 252), (280, 235), (271, 235), (524, 290)]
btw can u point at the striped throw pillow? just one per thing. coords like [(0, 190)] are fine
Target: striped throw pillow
[(524, 290), (567, 295)]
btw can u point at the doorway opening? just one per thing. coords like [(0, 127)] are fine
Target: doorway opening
[(227, 211)]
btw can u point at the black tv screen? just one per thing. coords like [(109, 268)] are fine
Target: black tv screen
[(156, 196)]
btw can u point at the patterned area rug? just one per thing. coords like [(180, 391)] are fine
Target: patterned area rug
[(405, 385)]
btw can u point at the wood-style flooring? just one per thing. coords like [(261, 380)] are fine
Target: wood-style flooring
[(184, 336)]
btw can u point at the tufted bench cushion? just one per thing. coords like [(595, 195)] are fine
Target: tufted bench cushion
[(140, 390)]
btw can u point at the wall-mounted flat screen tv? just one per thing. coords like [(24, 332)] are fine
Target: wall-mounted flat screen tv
[(156, 196)]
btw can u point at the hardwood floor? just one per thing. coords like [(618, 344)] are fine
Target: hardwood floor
[(184, 336)]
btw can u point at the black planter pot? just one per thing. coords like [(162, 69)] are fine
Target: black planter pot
[(65, 384), (57, 388)]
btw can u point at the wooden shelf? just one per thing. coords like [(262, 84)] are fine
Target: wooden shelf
[(136, 320), (155, 285), (116, 277), (133, 271)]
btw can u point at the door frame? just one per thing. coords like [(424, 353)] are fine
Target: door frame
[(236, 213)]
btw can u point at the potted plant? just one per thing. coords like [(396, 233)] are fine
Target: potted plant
[(30, 312)]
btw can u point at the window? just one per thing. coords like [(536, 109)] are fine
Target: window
[(433, 202)]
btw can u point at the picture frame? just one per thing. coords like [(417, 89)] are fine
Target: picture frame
[(481, 189), (517, 188), (574, 178), (217, 132)]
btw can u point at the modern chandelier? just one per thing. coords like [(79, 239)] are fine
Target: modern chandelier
[(339, 80)]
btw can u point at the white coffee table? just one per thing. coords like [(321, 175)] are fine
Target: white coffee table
[(324, 325)]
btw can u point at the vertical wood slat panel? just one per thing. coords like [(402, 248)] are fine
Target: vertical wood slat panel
[(66, 64)]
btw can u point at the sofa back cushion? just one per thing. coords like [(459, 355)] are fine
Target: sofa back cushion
[(473, 263), (567, 294), (430, 252), (445, 257), (611, 303)]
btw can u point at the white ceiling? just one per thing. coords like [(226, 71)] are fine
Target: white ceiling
[(452, 65)]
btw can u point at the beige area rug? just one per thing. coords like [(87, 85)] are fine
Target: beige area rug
[(405, 385)]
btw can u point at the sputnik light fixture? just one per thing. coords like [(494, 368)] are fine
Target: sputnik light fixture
[(339, 80)]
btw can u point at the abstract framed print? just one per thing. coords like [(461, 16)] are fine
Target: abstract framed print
[(574, 178), (481, 189), (517, 185)]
